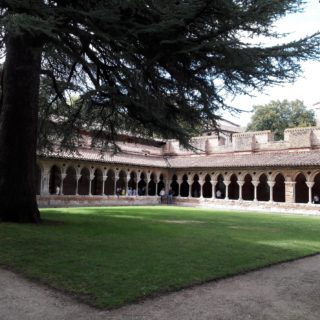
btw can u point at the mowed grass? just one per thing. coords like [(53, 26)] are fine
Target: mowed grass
[(115, 255)]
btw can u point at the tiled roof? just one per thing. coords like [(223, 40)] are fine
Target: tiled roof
[(271, 159), (230, 160), (119, 158)]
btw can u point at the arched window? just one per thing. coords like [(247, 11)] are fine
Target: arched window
[(263, 189), (142, 184), (233, 188), (316, 189), (96, 184), (70, 182), (248, 188), (84, 182), (301, 189), (207, 187), (174, 185), (121, 183), (195, 187), (279, 189), (161, 184), (184, 188), (220, 188), (54, 180), (109, 183), (152, 185)]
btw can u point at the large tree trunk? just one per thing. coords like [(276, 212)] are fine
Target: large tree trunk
[(18, 130)]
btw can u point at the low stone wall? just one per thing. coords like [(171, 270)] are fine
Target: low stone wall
[(92, 201)]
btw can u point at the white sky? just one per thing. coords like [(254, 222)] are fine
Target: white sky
[(307, 87)]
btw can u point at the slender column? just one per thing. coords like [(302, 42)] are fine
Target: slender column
[(77, 185), (227, 182), (179, 181), (201, 186), (310, 185), (147, 184), (255, 184), (271, 185), (190, 186), (214, 183), (90, 184), (290, 191), (104, 178), (156, 182), (137, 185), (240, 183), (127, 183), (63, 176), (116, 177)]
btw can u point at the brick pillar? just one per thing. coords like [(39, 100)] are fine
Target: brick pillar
[(290, 191)]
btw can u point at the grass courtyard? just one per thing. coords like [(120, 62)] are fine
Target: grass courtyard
[(115, 255)]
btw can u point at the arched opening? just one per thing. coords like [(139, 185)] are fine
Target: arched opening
[(207, 187), (301, 189), (161, 184), (121, 184), (109, 183), (279, 189), (70, 182), (142, 184), (84, 182), (175, 185), (132, 183), (38, 179), (195, 187), (55, 180), (220, 188), (184, 188), (316, 189), (152, 185), (233, 188), (96, 184), (248, 188), (263, 189)]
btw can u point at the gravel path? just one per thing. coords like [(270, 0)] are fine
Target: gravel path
[(285, 291)]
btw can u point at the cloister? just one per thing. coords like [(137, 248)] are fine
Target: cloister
[(236, 167)]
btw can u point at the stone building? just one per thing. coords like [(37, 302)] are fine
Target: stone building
[(234, 169)]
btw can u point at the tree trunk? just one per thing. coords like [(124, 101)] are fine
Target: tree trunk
[(18, 130)]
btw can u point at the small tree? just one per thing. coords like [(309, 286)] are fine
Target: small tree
[(279, 115)]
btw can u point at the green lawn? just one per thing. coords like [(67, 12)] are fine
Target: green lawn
[(112, 256)]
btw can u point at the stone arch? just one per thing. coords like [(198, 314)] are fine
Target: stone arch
[(70, 181), (109, 183), (316, 186), (220, 188), (233, 190), (142, 184), (301, 189), (152, 185), (55, 179), (97, 182), (38, 179), (207, 187), (195, 187), (248, 188), (161, 184), (184, 188), (263, 189), (84, 182), (279, 188), (121, 183), (175, 185)]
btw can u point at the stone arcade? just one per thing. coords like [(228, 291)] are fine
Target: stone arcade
[(234, 169)]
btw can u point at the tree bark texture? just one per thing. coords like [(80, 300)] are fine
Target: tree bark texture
[(18, 130)]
